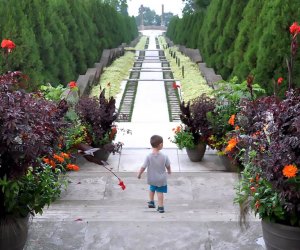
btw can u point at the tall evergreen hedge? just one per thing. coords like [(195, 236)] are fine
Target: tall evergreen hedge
[(59, 39), (242, 37)]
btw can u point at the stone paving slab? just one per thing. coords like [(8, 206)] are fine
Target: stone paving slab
[(143, 235)]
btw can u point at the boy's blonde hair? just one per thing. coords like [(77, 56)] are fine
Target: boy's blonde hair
[(155, 140)]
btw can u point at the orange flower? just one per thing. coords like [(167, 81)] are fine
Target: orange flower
[(113, 132), (46, 160), (289, 171), (58, 158), (49, 162), (231, 120), (72, 167), (65, 155), (253, 189), (257, 177), (231, 144), (237, 128)]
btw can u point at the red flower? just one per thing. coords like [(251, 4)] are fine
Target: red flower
[(257, 204), (121, 184), (295, 28), (280, 80), (175, 86), (8, 44), (72, 85)]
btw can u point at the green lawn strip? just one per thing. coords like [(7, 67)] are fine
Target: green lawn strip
[(168, 101), (129, 84), (169, 90), (193, 84), (116, 72)]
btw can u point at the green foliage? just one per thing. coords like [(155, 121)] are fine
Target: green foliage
[(52, 93), (33, 191), (228, 96), (183, 138), (74, 135), (257, 193)]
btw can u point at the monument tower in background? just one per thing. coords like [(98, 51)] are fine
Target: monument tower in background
[(162, 16)]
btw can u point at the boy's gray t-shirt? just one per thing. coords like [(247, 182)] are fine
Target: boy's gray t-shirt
[(156, 169)]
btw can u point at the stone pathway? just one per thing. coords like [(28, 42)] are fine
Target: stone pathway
[(94, 213), (150, 112)]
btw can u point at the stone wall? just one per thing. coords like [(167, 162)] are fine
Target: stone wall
[(92, 76)]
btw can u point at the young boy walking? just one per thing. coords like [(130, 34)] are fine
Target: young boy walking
[(156, 164)]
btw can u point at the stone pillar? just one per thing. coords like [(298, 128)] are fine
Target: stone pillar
[(162, 16), (142, 17)]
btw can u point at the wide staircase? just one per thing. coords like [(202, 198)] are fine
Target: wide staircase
[(95, 213)]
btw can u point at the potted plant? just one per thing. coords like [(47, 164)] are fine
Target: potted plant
[(270, 182), (223, 119), (30, 129), (195, 131), (98, 116)]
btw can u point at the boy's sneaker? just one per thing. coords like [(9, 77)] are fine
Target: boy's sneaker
[(160, 209), (151, 204)]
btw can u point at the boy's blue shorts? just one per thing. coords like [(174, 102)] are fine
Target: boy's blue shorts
[(162, 189)]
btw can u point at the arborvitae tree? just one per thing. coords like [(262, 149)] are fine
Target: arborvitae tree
[(26, 55), (64, 60), (87, 33), (37, 11), (216, 33), (224, 44), (240, 57), (198, 20), (57, 39), (273, 46), (208, 35), (73, 40)]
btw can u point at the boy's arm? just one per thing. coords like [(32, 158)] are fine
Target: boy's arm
[(140, 172), (169, 169)]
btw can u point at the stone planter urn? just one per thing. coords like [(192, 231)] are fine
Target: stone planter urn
[(196, 154), (229, 165), (280, 237), (13, 232), (101, 154)]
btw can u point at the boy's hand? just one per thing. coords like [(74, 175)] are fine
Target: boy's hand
[(139, 176)]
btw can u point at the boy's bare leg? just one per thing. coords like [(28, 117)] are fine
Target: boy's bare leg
[(151, 195), (160, 197)]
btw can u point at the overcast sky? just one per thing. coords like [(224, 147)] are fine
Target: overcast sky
[(174, 6)]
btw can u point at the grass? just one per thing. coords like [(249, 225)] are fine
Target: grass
[(193, 84), (116, 72)]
